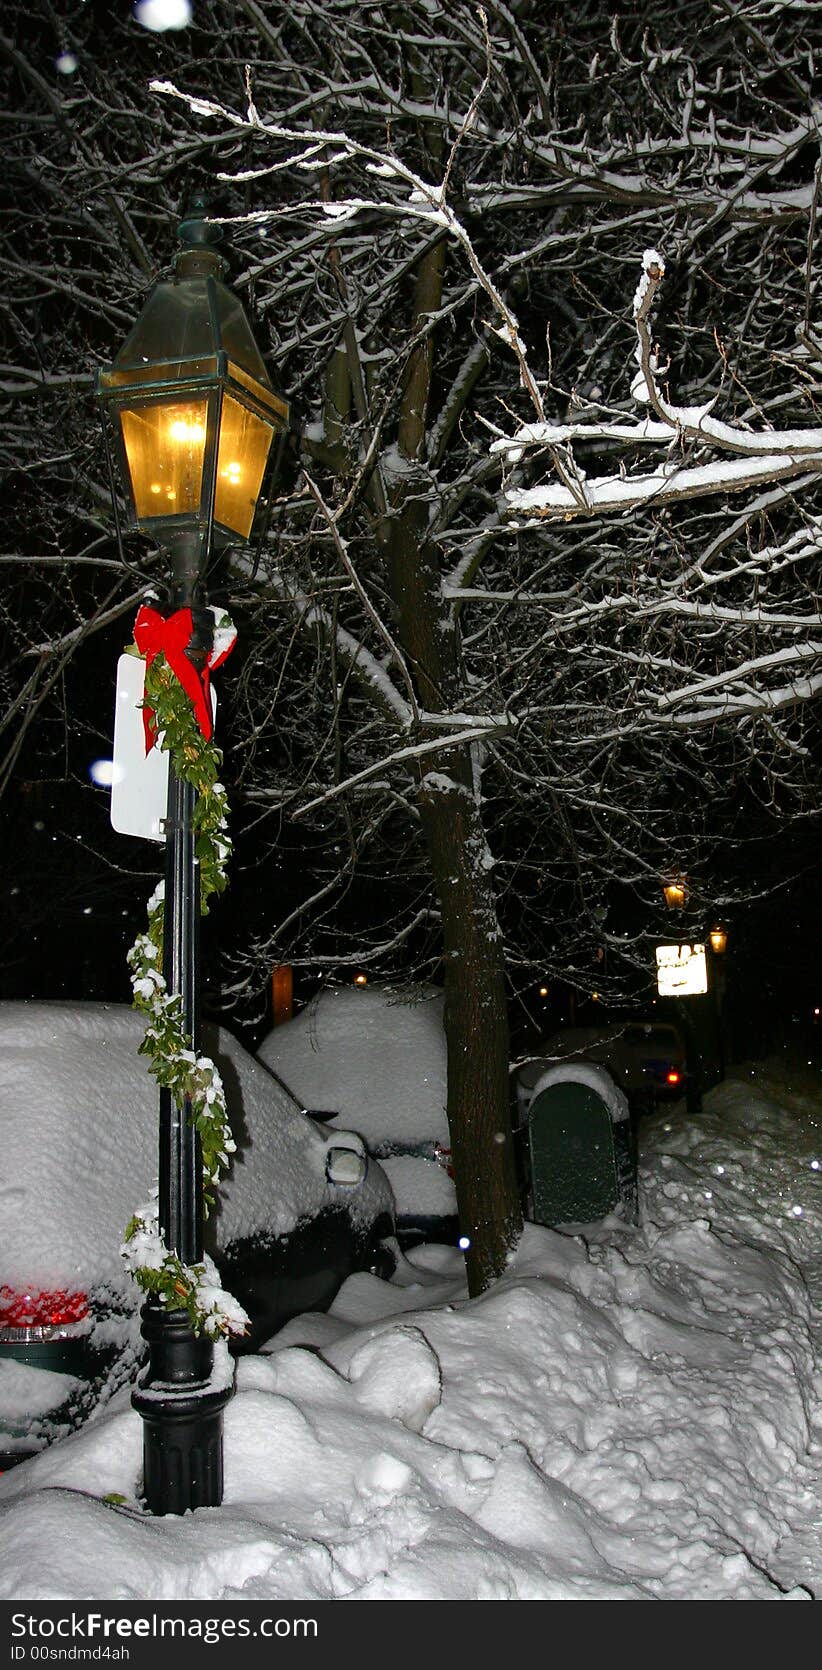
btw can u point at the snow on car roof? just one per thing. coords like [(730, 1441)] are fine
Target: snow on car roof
[(376, 1054), (78, 1123)]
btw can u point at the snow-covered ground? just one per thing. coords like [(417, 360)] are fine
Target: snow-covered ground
[(628, 1414)]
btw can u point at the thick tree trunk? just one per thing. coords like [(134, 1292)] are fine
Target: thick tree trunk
[(476, 1014), (476, 1028)]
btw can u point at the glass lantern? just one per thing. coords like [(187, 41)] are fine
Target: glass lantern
[(191, 409)]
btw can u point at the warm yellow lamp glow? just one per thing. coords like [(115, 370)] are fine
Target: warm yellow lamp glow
[(187, 432), (360, 979), (718, 939), (243, 435), (676, 894), (164, 448)]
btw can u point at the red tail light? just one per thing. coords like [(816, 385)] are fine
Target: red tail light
[(37, 1309), (673, 1077)]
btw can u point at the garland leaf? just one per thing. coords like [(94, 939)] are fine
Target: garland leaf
[(172, 1060)]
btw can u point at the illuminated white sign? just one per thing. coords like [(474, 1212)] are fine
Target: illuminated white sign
[(139, 780), (681, 970), (139, 784)]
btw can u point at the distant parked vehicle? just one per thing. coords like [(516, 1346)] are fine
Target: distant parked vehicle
[(647, 1059), (377, 1054), (302, 1207)]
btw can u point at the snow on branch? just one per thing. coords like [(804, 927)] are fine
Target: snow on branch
[(750, 702), (493, 726), (748, 671), (376, 619), (415, 198), (613, 494), (370, 671), (759, 456)]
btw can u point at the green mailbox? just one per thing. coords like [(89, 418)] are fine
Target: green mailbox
[(580, 1145)]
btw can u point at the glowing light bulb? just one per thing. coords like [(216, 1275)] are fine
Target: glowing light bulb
[(187, 430), (360, 979), (464, 1242)]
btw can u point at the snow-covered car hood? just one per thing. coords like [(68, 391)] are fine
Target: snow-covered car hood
[(78, 1124)]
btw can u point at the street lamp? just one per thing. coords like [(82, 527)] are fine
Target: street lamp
[(190, 413), (718, 940), (676, 893)]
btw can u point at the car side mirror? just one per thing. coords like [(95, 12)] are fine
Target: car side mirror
[(345, 1167)]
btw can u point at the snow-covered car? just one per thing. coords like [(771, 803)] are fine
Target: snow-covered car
[(301, 1208), (647, 1059), (377, 1055)]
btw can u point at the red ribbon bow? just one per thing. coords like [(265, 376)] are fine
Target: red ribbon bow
[(154, 634)]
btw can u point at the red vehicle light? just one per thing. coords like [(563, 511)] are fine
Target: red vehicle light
[(673, 1077), (41, 1310)]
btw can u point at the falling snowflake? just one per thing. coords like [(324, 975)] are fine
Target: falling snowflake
[(159, 15)]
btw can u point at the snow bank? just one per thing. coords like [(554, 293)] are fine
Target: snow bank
[(623, 1416)]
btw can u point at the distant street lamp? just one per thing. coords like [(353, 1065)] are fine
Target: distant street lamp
[(192, 414), (718, 940), (676, 893)]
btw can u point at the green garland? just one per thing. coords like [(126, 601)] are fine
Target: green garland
[(172, 1060)]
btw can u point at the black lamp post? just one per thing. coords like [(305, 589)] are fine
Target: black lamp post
[(192, 414)]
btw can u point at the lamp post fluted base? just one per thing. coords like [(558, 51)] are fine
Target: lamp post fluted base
[(182, 1414)]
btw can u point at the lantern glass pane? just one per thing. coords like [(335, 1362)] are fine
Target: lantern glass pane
[(165, 448), (245, 441), (261, 391)]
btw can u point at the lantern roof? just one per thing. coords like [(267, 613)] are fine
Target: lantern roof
[(192, 331), (191, 409)]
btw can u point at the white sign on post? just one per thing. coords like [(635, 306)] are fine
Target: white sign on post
[(139, 781), (681, 970)]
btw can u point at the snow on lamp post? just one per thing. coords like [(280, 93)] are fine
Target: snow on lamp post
[(190, 414)]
